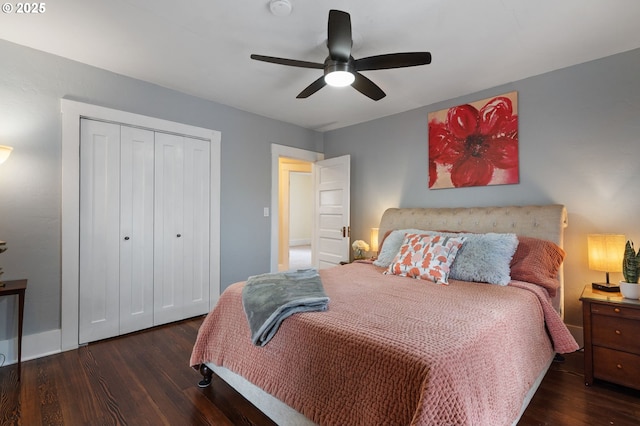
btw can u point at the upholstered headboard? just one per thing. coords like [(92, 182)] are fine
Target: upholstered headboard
[(546, 222)]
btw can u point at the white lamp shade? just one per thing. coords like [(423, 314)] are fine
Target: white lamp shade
[(5, 151), (374, 239), (606, 252)]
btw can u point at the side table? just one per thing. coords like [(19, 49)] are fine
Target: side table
[(17, 287), (611, 345)]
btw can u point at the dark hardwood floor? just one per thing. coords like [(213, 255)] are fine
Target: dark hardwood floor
[(144, 379)]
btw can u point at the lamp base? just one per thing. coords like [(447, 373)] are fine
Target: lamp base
[(608, 287)]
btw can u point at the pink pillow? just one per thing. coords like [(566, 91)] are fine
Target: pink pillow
[(426, 257), (537, 261)]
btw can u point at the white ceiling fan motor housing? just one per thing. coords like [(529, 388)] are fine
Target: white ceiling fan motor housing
[(280, 7)]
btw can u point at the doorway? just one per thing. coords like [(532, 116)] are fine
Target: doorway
[(331, 206), (278, 223), (295, 202)]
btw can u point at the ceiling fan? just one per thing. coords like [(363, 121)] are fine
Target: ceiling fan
[(341, 69)]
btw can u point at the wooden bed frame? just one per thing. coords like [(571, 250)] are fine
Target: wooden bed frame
[(544, 222)]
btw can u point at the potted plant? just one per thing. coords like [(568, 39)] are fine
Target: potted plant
[(631, 271)]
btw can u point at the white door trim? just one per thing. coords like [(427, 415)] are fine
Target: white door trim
[(72, 111), (278, 151)]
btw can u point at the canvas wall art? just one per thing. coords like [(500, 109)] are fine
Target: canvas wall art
[(474, 144)]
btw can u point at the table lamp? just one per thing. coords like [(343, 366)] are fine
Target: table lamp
[(605, 254), (5, 151), (374, 240)]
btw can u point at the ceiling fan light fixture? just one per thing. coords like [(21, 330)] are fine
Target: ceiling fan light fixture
[(339, 78), (338, 74), (340, 68)]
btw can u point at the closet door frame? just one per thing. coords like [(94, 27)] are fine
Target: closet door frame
[(72, 112)]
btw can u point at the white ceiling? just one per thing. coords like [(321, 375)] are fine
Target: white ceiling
[(202, 47)]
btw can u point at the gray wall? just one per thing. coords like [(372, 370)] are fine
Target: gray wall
[(579, 145), (31, 85)]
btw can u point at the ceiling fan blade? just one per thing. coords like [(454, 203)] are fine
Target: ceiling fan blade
[(339, 35), (367, 87), (289, 62), (312, 88), (393, 60)]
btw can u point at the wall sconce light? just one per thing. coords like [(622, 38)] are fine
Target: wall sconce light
[(605, 254), (5, 151), (374, 240)]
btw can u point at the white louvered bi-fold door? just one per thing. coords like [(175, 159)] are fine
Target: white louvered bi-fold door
[(99, 311), (144, 229), (116, 230), (181, 272), (136, 229)]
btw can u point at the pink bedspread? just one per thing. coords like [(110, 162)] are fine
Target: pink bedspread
[(393, 350)]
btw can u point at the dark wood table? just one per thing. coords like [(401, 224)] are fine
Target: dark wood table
[(611, 325), (17, 287)]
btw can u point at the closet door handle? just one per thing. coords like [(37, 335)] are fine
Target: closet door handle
[(179, 235), (126, 238)]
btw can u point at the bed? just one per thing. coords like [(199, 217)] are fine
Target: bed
[(396, 350)]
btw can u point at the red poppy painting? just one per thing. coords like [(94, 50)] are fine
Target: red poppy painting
[(474, 144)]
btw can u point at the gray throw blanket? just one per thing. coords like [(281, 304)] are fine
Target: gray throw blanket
[(269, 298)]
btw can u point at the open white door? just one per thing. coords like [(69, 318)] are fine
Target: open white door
[(332, 211)]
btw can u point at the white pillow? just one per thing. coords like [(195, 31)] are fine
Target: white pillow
[(426, 257), (391, 246)]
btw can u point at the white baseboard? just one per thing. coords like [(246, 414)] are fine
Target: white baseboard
[(33, 346)]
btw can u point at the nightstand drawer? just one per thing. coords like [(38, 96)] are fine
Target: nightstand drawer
[(616, 366), (616, 333), (615, 311)]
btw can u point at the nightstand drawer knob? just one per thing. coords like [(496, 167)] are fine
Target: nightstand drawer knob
[(616, 310), (619, 366), (618, 332)]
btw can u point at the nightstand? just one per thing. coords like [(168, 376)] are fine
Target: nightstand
[(18, 288), (611, 338)]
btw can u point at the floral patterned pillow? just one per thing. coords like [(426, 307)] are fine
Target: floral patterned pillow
[(426, 257)]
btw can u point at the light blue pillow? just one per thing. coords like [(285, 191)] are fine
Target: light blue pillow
[(484, 258)]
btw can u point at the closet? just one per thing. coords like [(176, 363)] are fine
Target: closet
[(144, 228)]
